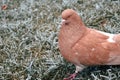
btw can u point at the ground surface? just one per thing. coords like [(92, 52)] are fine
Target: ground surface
[(29, 38)]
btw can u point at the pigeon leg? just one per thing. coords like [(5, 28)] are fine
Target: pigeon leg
[(72, 76)]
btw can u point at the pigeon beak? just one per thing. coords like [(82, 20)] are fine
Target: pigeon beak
[(63, 20)]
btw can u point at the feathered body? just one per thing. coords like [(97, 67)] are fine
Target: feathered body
[(85, 46)]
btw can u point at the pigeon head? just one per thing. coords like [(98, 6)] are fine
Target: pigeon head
[(69, 16)]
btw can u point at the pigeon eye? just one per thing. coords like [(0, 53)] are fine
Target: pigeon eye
[(69, 16)]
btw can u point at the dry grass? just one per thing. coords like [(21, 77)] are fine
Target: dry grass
[(29, 43)]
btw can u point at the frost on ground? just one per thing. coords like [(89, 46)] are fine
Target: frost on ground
[(29, 43)]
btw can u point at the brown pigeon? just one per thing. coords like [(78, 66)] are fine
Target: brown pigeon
[(84, 46)]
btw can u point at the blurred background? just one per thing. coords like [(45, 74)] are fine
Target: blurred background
[(29, 38)]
